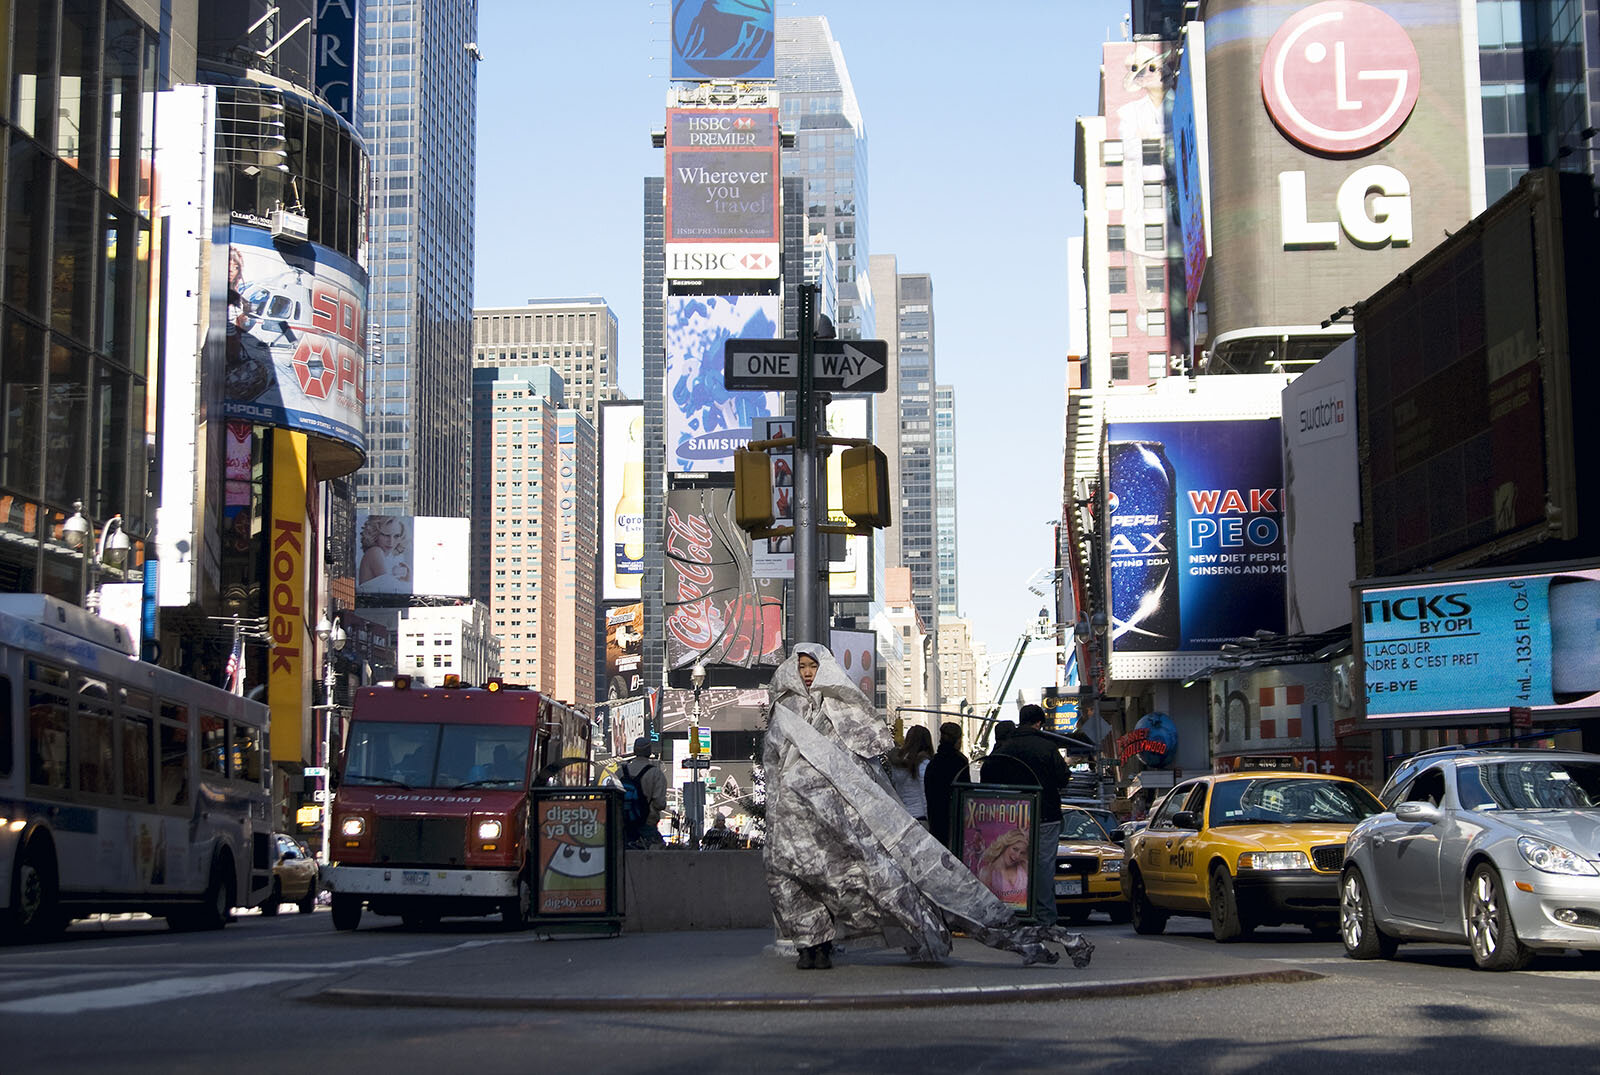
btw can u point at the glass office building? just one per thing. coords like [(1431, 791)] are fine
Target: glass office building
[(944, 497)]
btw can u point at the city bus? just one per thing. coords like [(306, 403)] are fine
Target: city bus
[(123, 786)]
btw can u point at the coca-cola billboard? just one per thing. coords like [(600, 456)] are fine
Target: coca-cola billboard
[(716, 611)]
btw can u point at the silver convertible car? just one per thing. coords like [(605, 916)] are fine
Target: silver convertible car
[(1496, 849)]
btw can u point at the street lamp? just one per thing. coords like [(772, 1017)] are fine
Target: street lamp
[(112, 549), (332, 636), (697, 817)]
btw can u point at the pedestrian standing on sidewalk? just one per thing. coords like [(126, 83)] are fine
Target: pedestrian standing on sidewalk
[(907, 767), (844, 860), (948, 766), (1028, 745), (653, 783)]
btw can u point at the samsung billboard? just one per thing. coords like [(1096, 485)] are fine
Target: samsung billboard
[(1457, 646), (296, 337), (1194, 537), (724, 39), (706, 421)]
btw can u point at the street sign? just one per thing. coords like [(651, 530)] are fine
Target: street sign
[(1521, 716), (699, 761), (316, 770), (774, 365)]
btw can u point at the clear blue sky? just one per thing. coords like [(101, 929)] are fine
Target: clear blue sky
[(970, 111)]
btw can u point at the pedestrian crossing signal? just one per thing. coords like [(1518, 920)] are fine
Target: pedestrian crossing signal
[(752, 489), (864, 477)]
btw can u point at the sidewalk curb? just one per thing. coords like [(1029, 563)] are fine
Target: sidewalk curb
[(913, 998)]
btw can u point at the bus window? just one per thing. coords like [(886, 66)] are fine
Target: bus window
[(213, 744), (6, 721), (95, 740), (47, 739), (174, 758), (136, 759), (247, 753)]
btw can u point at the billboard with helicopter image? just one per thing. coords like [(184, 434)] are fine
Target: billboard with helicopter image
[(296, 336)]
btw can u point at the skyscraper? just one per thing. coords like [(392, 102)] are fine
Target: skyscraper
[(576, 337), (944, 498), (577, 547), (817, 102), (914, 321), (419, 118)]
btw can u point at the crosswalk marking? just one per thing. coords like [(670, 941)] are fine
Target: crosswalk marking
[(151, 992)]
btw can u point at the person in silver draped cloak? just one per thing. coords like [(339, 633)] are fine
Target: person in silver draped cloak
[(844, 861)]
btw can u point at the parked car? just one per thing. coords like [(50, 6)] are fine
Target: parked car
[(295, 878), (1088, 869), (1245, 849), (1108, 820), (1495, 849)]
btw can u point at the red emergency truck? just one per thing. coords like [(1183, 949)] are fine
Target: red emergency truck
[(430, 815)]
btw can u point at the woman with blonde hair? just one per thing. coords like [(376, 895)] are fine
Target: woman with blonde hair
[(385, 562), (1003, 866)]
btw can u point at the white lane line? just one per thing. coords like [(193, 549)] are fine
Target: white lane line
[(143, 993), (34, 985)]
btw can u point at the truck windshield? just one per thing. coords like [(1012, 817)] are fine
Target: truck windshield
[(437, 755)]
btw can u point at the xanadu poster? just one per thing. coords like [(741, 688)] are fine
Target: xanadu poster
[(997, 831)]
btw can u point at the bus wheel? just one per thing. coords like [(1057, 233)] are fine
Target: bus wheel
[(217, 910), (35, 915), (346, 911)]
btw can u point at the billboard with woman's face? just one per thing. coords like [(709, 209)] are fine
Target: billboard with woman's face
[(411, 554)]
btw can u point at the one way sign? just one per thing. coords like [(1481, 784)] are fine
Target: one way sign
[(774, 365)]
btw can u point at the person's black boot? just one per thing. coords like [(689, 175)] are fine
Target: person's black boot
[(823, 954), (808, 957)]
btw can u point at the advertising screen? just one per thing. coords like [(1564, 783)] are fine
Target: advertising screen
[(716, 611), (1457, 646), (1190, 157), (996, 833), (624, 650), (621, 500), (296, 337), (857, 654), (722, 175), (422, 555), (573, 831), (724, 39), (850, 575), (1194, 533), (706, 421), (773, 558)]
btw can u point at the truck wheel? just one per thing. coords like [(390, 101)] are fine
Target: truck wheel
[(517, 912), (346, 911), (216, 909)]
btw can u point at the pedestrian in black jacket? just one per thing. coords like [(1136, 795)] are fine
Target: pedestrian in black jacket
[(948, 766), (1043, 756)]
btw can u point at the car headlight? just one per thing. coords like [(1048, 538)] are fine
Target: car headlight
[(1553, 858), (353, 826), (489, 830), (1110, 865), (1274, 860)]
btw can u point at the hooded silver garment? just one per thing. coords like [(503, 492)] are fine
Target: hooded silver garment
[(844, 860)]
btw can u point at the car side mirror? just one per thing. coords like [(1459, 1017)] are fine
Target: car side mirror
[(1118, 834), (1186, 819), (1418, 813)]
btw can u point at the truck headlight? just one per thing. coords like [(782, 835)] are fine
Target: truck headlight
[(1274, 860), (489, 830), (353, 826)]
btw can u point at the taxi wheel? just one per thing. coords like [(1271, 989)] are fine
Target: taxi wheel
[(1489, 927), (308, 902), (1147, 920), (1226, 922), (1357, 926)]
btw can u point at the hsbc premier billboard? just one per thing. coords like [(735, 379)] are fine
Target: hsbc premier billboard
[(722, 211), (1326, 123), (296, 337)]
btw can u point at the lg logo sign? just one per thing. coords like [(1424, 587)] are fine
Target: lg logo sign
[(1341, 78)]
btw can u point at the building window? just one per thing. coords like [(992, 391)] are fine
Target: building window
[(1155, 196), (1114, 237), (1119, 367), (1155, 322), (1117, 280), (1114, 196), (1111, 151), (1153, 242), (1151, 150), (1158, 365), (1118, 321), (1155, 277)]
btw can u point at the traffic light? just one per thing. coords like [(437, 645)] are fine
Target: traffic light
[(752, 489), (864, 475)]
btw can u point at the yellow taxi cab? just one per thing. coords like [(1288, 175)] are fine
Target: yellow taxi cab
[(1245, 849), (1088, 869), (295, 877)]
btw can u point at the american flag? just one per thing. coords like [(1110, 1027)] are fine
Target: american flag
[(233, 677)]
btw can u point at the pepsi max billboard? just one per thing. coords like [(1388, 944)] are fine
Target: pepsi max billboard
[(724, 39), (1194, 535)]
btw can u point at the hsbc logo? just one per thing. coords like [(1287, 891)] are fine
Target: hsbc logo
[(722, 261)]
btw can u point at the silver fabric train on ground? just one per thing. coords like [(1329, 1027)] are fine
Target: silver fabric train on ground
[(844, 860)]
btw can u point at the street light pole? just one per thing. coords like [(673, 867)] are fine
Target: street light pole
[(697, 817), (112, 549), (332, 636)]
